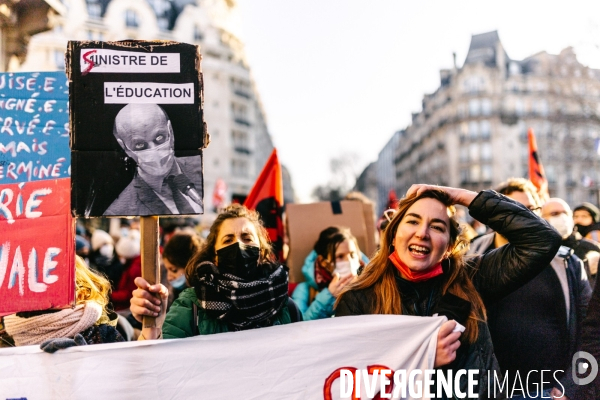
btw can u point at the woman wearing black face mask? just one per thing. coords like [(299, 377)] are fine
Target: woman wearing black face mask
[(235, 265)]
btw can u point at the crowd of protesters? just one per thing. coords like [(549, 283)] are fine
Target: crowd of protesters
[(514, 270)]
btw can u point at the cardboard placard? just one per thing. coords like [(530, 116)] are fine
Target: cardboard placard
[(306, 221), (137, 128), (36, 231)]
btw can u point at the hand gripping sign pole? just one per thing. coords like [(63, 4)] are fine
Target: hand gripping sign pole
[(150, 258), (137, 134)]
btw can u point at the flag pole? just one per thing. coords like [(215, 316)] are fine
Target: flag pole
[(150, 258)]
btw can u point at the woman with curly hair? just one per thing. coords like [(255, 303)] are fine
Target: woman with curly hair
[(235, 284)]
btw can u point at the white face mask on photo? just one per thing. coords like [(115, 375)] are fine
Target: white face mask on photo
[(107, 250), (157, 161), (345, 268), (563, 224)]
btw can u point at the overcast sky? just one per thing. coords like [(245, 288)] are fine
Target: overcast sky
[(341, 76)]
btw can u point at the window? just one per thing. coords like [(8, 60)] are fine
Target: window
[(464, 154), (486, 107), (486, 151), (59, 59), (486, 173), (240, 141), (519, 107), (131, 19), (475, 173), (474, 84), (474, 107), (464, 175), (464, 129), (485, 129), (473, 129), (239, 168), (474, 152), (94, 10)]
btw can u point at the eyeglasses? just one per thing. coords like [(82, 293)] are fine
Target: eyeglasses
[(534, 209)]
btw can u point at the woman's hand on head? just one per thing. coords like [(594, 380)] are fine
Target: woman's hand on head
[(144, 302), (337, 284), (463, 197), (447, 344)]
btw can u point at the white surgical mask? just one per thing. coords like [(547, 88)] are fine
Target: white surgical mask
[(179, 282), (345, 268), (107, 250), (563, 224), (157, 161)]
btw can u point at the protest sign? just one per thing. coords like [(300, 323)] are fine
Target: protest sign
[(295, 361), (138, 130), (36, 231), (306, 221)]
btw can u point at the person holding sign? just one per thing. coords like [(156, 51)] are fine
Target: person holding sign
[(420, 270), (235, 284), (331, 265), (164, 183)]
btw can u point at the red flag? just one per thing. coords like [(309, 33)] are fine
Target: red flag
[(536, 170), (266, 197)]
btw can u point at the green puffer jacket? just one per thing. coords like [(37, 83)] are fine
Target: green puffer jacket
[(179, 322)]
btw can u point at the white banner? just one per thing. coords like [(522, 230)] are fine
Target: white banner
[(104, 60), (148, 92), (296, 361)]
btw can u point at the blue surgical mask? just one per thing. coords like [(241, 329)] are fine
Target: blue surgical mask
[(178, 283)]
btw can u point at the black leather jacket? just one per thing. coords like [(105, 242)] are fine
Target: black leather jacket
[(532, 245)]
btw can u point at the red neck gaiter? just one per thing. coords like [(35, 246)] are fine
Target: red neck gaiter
[(415, 276)]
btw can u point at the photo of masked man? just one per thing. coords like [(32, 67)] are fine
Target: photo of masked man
[(163, 184)]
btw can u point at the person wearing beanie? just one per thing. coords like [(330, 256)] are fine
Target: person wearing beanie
[(587, 220), (128, 250)]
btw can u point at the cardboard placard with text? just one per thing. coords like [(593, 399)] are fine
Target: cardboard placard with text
[(137, 128), (306, 221), (37, 269)]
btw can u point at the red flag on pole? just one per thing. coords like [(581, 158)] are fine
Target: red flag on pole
[(266, 197), (536, 171)]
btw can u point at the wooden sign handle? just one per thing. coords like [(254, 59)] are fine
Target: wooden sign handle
[(150, 258)]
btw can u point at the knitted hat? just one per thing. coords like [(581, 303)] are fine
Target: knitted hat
[(591, 209), (129, 246), (100, 238)]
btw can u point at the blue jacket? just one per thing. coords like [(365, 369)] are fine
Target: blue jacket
[(322, 305)]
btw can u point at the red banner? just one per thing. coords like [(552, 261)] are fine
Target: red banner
[(36, 246)]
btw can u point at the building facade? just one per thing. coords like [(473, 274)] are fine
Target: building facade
[(366, 183), (472, 131), (385, 171), (240, 142)]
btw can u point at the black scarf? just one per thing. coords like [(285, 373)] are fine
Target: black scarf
[(241, 303)]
